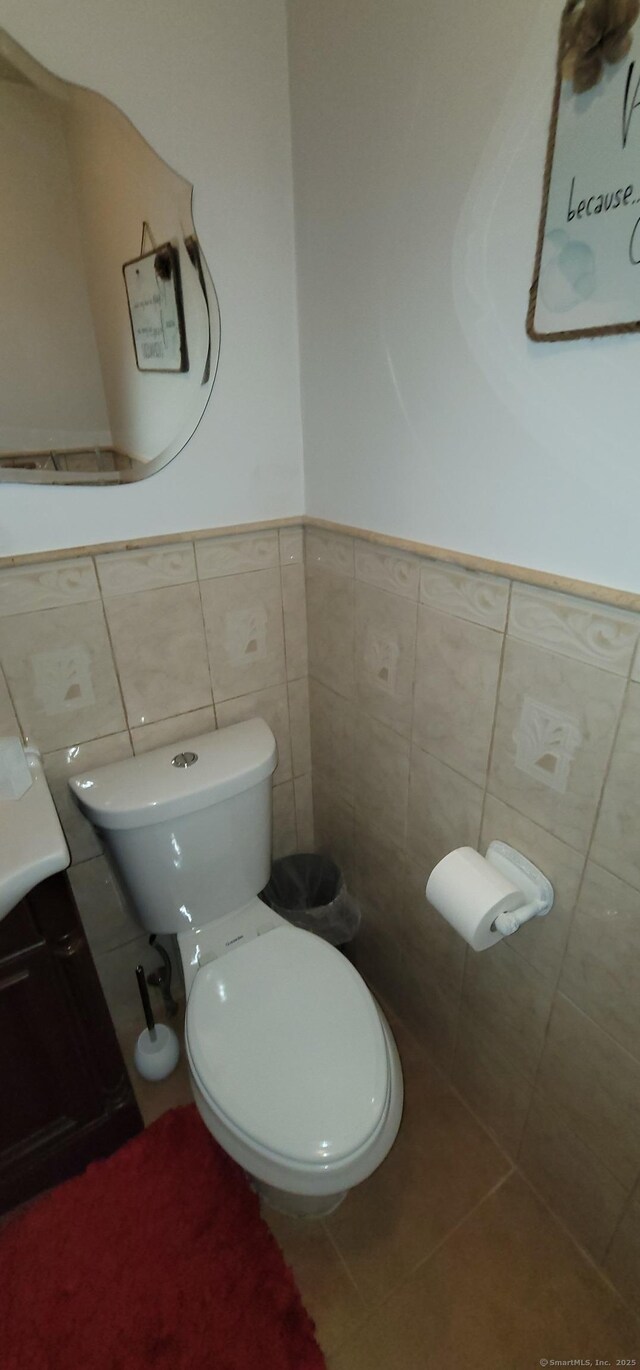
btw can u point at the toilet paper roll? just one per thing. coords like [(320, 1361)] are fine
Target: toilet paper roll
[(470, 893)]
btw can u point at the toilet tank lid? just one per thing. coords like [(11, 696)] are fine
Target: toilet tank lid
[(146, 789)]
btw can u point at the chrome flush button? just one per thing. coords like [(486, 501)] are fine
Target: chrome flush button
[(185, 759)]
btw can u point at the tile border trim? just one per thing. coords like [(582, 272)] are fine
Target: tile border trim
[(548, 580)]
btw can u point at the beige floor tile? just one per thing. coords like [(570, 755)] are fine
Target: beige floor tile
[(506, 1290), (396, 1218), (623, 1258), (327, 1290), (594, 1086)]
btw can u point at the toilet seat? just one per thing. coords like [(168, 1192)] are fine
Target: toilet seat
[(286, 1045)]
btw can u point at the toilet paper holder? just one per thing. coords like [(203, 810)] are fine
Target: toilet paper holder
[(537, 891)]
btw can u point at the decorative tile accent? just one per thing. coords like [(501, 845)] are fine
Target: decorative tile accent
[(243, 620), (124, 573), (62, 679), (546, 743), (467, 594), (330, 551), (385, 644), (60, 671), (233, 555), (160, 650), (571, 690), (24, 589), (387, 570), (291, 545), (574, 627), (245, 634), (380, 657)]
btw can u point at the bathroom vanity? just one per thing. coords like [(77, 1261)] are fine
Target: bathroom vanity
[(66, 1098)]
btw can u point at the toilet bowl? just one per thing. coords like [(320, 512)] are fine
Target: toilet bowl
[(293, 1067)]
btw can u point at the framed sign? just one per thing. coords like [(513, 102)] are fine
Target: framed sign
[(154, 295), (586, 280)]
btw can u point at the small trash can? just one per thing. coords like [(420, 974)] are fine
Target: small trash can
[(309, 891)]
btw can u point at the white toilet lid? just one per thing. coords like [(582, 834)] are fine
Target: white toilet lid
[(285, 1040)]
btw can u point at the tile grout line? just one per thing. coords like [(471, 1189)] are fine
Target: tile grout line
[(561, 963), (206, 637), (424, 1260), (597, 1268), (625, 600), (503, 648)]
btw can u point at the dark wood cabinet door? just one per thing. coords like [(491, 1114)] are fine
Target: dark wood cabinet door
[(46, 1087), (65, 1096)]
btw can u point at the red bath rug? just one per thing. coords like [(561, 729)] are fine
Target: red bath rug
[(156, 1259)]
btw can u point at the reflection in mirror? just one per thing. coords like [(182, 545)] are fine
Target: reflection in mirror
[(110, 325)]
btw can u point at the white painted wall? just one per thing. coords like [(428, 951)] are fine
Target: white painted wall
[(52, 391), (206, 83), (419, 142)]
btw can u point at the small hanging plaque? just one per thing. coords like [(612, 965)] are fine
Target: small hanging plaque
[(154, 295), (587, 272)]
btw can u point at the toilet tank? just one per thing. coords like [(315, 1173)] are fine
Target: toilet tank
[(187, 827)]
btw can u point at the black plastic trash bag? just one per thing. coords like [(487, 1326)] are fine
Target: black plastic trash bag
[(310, 892)]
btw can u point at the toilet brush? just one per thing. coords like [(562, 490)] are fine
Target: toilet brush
[(157, 1050)]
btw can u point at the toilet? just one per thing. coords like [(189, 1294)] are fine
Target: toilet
[(293, 1066)]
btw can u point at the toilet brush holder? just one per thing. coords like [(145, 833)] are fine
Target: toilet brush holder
[(157, 1049), (157, 1052)]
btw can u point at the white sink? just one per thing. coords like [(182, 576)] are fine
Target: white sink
[(32, 843)]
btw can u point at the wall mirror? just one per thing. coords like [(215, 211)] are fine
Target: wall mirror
[(110, 324)]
